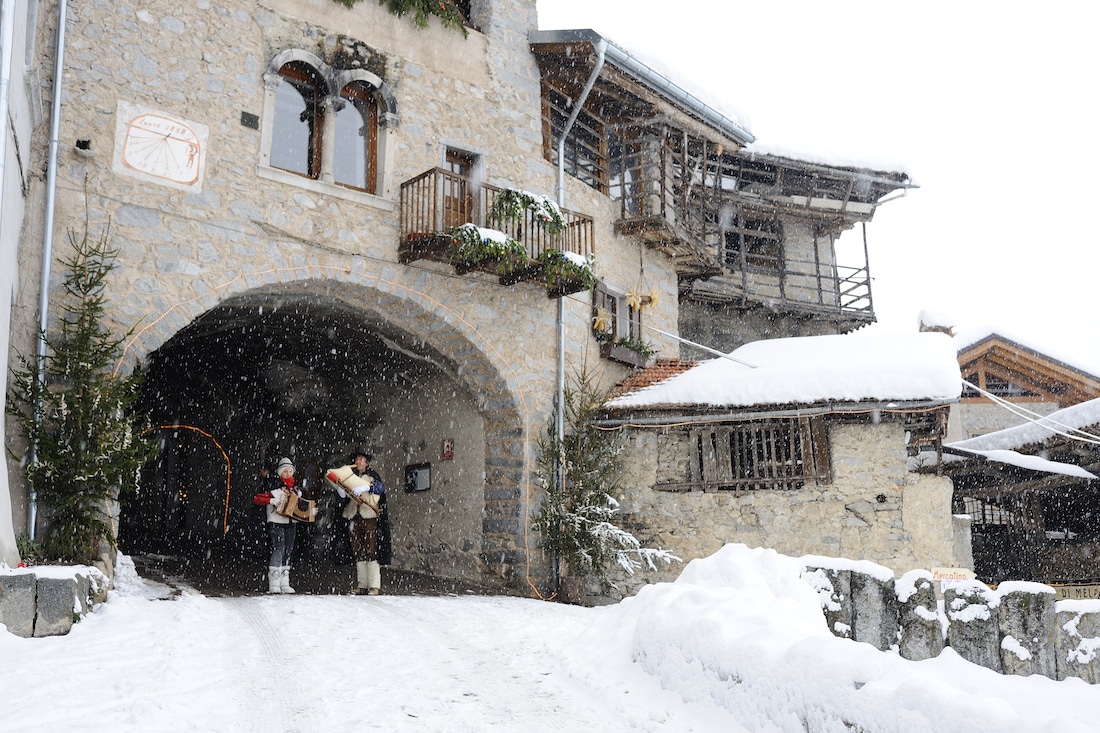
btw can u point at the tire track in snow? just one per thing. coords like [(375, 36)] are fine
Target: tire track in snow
[(275, 662)]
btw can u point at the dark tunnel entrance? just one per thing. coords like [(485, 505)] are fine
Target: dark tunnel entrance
[(263, 376)]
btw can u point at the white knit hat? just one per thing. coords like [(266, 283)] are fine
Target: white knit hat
[(283, 463)]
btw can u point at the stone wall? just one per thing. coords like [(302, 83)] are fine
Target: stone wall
[(872, 509), (1016, 629), (47, 601)]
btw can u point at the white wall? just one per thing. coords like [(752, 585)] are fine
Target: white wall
[(12, 207)]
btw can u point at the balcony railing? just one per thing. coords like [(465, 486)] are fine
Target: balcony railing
[(675, 195), (438, 200)]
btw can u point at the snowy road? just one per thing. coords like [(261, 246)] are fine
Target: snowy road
[(317, 663), (738, 643)]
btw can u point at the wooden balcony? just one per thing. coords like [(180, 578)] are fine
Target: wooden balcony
[(437, 201), (752, 231)]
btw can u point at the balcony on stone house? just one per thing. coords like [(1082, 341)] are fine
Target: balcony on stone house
[(521, 244), (748, 229)]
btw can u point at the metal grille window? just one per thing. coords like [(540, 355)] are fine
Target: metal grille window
[(774, 454)]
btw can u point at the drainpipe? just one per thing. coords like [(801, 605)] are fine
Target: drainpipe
[(47, 240), (559, 419)]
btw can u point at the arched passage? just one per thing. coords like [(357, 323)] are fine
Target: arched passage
[(313, 369)]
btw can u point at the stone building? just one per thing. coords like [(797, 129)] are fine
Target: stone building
[(797, 444), (282, 179)]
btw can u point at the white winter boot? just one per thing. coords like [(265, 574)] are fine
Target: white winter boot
[(284, 579), (273, 585), (374, 577), (362, 579)]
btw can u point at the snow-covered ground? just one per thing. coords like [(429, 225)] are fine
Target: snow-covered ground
[(738, 643)]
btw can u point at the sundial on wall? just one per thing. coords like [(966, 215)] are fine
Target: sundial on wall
[(156, 144)]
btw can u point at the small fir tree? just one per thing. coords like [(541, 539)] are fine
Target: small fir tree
[(576, 519), (77, 415)]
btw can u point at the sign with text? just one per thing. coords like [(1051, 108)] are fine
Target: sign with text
[(947, 576), (1076, 592)]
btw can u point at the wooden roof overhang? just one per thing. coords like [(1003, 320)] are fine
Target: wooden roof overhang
[(982, 478), (627, 91), (835, 197), (925, 419), (1048, 379)]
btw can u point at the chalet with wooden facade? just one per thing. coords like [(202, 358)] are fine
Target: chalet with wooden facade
[(751, 235)]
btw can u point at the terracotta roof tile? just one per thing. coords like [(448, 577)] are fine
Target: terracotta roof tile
[(660, 371)]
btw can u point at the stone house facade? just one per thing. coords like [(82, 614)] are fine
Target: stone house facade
[(818, 476), (281, 179)]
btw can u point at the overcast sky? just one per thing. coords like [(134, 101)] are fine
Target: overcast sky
[(989, 106)]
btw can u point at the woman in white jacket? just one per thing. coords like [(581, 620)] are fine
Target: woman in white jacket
[(281, 529)]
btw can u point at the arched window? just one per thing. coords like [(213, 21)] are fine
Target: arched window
[(326, 129), (299, 120), (355, 159)]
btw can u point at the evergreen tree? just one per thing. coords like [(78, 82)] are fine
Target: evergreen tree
[(576, 519), (78, 415)]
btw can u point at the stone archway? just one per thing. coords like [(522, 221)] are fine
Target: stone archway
[(314, 368)]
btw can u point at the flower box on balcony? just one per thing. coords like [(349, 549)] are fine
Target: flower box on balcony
[(566, 273), (623, 354)]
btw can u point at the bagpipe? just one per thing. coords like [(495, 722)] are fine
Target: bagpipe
[(357, 487)]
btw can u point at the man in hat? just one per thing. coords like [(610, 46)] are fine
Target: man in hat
[(368, 529)]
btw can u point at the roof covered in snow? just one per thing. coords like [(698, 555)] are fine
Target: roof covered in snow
[(891, 368), (1083, 416)]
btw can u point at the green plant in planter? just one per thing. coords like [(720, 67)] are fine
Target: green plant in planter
[(470, 245), (563, 268), (636, 345), (510, 203), (576, 519)]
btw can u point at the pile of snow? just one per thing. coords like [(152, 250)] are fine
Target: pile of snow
[(741, 632)]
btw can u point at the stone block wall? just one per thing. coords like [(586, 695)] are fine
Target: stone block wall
[(1017, 629), (46, 602)]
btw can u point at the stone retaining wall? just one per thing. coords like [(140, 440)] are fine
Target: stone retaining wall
[(1016, 629), (47, 601)]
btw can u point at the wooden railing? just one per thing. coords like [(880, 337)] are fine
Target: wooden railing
[(437, 200), (660, 183)]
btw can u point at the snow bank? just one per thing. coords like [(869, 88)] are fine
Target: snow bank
[(740, 631)]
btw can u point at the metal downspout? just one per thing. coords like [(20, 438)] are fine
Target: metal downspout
[(47, 239), (559, 415)]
